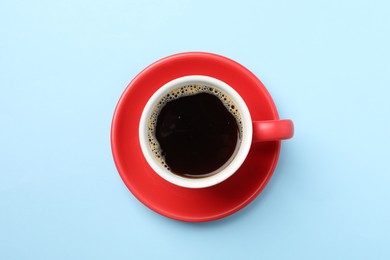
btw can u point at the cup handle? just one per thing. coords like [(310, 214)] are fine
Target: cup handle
[(272, 130)]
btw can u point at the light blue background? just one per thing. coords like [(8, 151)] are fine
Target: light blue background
[(64, 65)]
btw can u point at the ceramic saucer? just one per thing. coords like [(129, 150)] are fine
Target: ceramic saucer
[(192, 205)]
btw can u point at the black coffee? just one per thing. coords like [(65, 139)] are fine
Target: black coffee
[(196, 134)]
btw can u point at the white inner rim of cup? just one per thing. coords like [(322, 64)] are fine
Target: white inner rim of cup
[(235, 163)]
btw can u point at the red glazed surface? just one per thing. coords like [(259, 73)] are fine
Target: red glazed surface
[(192, 205)]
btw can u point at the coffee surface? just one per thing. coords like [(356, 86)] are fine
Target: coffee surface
[(197, 134), (190, 130)]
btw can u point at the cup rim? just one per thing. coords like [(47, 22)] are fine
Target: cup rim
[(238, 159)]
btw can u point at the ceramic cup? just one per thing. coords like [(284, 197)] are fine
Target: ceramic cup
[(252, 131)]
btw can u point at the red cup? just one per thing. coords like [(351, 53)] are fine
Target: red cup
[(216, 201)]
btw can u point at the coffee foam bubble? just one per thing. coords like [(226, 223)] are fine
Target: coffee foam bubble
[(187, 90)]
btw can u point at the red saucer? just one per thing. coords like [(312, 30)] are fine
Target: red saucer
[(192, 205)]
